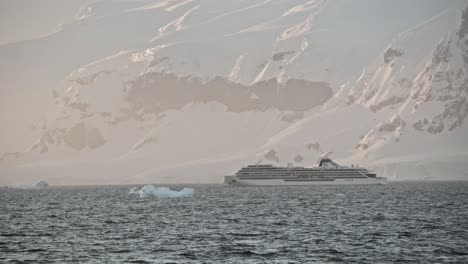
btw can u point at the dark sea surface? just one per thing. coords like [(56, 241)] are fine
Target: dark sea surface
[(400, 222)]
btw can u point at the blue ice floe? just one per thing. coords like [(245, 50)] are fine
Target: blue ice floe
[(161, 192)]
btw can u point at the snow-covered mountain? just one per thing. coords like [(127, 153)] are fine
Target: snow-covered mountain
[(247, 41), (219, 84), (407, 109)]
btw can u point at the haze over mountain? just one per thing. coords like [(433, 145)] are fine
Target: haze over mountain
[(189, 91)]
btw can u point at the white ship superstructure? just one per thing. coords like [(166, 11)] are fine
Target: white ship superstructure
[(327, 173)]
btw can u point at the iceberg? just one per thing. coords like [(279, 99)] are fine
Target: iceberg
[(161, 192), (35, 186)]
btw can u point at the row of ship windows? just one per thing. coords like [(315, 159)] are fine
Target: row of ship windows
[(340, 177), (298, 171), (289, 177), (308, 170), (281, 177), (299, 175)]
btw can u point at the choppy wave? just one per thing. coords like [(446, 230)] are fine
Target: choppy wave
[(399, 222)]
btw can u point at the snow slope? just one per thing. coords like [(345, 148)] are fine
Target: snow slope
[(414, 102), (246, 40), (188, 91)]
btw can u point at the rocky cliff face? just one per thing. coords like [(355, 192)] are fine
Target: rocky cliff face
[(433, 100), (421, 90)]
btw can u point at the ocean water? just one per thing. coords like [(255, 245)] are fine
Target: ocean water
[(399, 222)]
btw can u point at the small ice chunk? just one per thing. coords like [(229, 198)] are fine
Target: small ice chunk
[(133, 190), (161, 192)]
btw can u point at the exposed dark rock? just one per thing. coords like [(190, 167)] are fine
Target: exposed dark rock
[(315, 146), (456, 112), (272, 155), (390, 54), (387, 102), (369, 95), (436, 127), (281, 55), (405, 82), (298, 158), (105, 114), (444, 97), (393, 124), (362, 146), (95, 138), (125, 115), (441, 54), (49, 138), (75, 137), (44, 149), (155, 92), (64, 117), (440, 76), (83, 107), (463, 30), (418, 126), (292, 117), (453, 116), (85, 80), (156, 61), (85, 115)]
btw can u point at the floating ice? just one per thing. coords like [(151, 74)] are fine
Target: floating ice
[(133, 190), (161, 192), (35, 186)]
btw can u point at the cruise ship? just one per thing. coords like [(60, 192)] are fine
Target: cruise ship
[(328, 172)]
